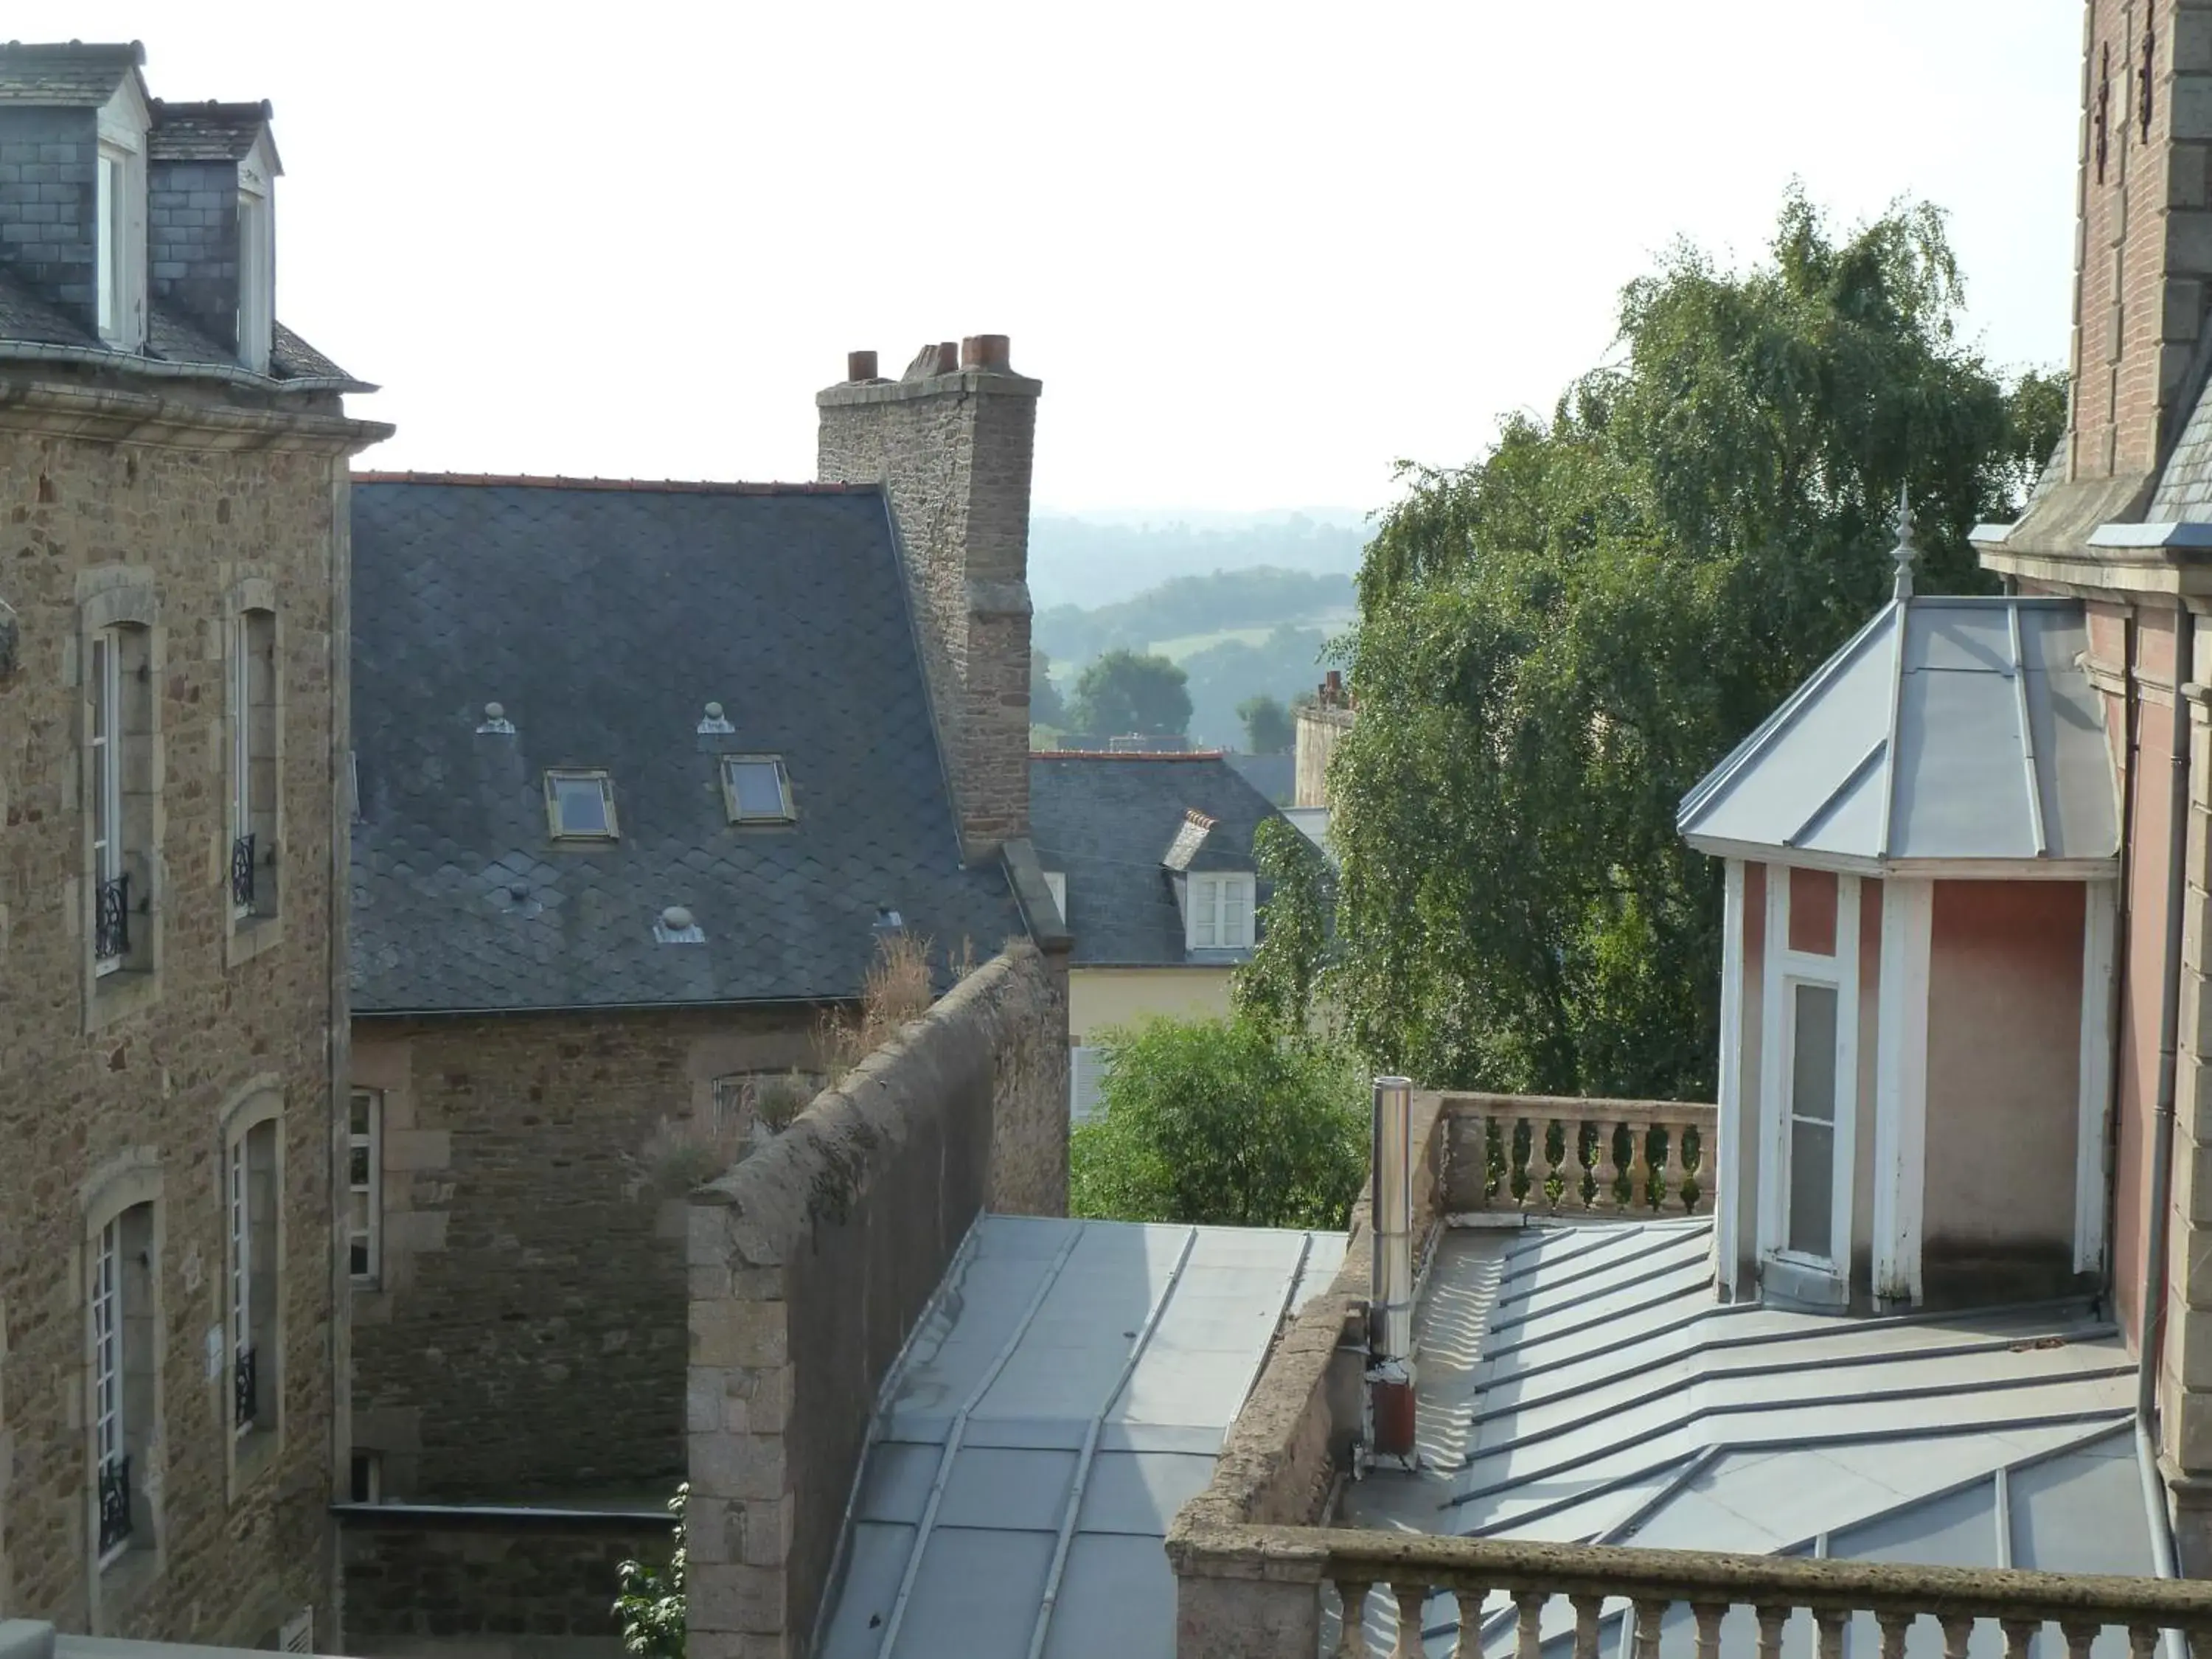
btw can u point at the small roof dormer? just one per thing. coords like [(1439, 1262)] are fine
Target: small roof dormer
[(80, 112), (213, 195)]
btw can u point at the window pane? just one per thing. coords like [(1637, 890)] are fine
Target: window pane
[(1813, 1055), (357, 1167), (581, 805), (1235, 913), (357, 1257), (757, 787), (1206, 896), (358, 1121), (1812, 1187), (110, 208)]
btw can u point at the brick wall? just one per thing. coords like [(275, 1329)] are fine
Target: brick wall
[(495, 1588), (953, 450), (810, 1264), (122, 1088), (525, 1337), (2143, 256)]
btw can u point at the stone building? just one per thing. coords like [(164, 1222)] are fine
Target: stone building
[(648, 774), (174, 595)]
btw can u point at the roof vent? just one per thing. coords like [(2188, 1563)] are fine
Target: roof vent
[(715, 725), (888, 920), (496, 720), (677, 926)]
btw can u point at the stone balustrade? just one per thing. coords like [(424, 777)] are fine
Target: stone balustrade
[(1544, 1155), (1254, 1592)]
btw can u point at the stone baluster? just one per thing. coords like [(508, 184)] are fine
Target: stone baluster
[(2079, 1639), (1639, 1166), (1588, 1610), (1528, 1634), (1828, 1623), (1771, 1621), (1895, 1627), (2019, 1634), (1412, 1599), (1958, 1631), (2144, 1639), (1709, 1615), (1648, 1614), (1469, 1645), (1351, 1631)]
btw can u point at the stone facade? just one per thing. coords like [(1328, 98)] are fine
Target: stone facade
[(122, 1094), (952, 444), (810, 1263), (521, 1337), (1318, 727)]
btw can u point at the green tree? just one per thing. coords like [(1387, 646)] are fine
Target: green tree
[(1267, 729), (1275, 988), (1556, 642), (1046, 707), (1124, 691), (1213, 1121), (650, 1605)]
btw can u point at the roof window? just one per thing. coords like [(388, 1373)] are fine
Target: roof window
[(580, 806), (756, 789)]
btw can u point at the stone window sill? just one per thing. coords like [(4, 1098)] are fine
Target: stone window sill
[(253, 1455), (126, 1579), (122, 993), (251, 935)]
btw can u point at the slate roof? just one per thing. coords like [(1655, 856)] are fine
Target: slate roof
[(604, 618), (1584, 1384), (1108, 823), (1065, 1393), (1948, 728), (207, 132), (74, 73)]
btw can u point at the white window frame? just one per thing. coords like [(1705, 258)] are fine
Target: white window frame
[(1207, 927), (111, 237), (1822, 1278), (554, 777), (1056, 882), (257, 312), (365, 1135), (239, 1190), (106, 1312), (730, 764)]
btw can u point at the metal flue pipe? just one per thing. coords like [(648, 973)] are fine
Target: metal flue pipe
[(1390, 1284)]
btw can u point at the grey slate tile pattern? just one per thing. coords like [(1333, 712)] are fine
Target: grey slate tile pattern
[(25, 314), (604, 620), (2184, 488), (205, 132), (76, 74), (1107, 821)]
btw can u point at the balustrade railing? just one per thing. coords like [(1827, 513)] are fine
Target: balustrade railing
[(242, 875), (1626, 1600), (111, 921), (114, 1503), (1544, 1154), (245, 1388)]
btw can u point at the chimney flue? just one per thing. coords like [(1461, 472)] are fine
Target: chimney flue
[(988, 351), (1390, 1282), (859, 365), (948, 356)]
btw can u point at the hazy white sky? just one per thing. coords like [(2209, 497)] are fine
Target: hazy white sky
[(1255, 252)]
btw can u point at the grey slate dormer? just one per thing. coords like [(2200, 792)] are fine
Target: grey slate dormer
[(210, 221)]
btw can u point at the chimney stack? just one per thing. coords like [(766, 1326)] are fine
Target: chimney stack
[(950, 443), (860, 366)]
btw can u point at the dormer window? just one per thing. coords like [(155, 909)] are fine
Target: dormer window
[(580, 806), (1056, 882), (256, 273), (1220, 912), (117, 232), (756, 789)]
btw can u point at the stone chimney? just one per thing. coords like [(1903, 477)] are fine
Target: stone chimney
[(2143, 235), (951, 441)]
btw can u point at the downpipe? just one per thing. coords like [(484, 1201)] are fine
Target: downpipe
[(2156, 1231), (1390, 1405)]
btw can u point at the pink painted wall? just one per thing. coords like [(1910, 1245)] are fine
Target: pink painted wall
[(2004, 1015)]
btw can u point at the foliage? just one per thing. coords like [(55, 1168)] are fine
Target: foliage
[(898, 987), (1275, 988), (1215, 1121), (1046, 707), (1267, 728), (1556, 643), (651, 1604), (1123, 692)]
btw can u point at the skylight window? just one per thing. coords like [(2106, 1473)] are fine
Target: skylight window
[(756, 789), (580, 806)]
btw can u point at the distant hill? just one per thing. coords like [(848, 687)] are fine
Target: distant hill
[(1099, 560), (1189, 615)]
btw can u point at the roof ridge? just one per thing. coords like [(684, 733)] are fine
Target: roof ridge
[(678, 486)]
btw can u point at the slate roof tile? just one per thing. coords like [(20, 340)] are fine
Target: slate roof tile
[(603, 617)]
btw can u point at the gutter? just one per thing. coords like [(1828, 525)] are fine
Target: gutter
[(33, 351), (2155, 1232)]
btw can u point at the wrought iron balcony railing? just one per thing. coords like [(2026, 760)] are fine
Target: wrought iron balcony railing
[(241, 874), (114, 1503), (244, 1381), (110, 934)]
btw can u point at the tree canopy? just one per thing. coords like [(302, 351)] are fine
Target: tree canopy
[(1124, 692), (1556, 642), (1046, 707), (1213, 1121), (1267, 729)]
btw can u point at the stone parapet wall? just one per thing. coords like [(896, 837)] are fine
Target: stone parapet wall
[(812, 1262)]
